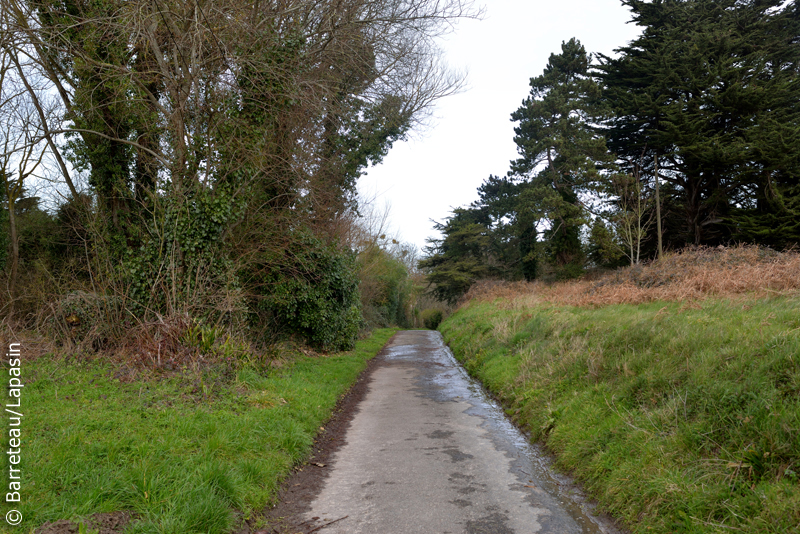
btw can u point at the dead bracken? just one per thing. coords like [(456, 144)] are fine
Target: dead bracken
[(691, 274)]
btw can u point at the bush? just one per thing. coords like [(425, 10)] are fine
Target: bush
[(183, 265), (88, 319), (312, 291), (432, 318), (386, 288)]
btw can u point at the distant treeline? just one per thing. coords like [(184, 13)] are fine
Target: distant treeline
[(689, 135)]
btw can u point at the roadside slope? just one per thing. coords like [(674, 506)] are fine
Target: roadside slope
[(676, 417)]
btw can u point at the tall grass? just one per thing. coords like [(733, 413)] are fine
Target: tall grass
[(678, 416), (196, 452)]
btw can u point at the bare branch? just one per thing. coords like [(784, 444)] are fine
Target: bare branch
[(45, 128)]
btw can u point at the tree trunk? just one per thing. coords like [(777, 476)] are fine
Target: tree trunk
[(12, 225), (658, 211)]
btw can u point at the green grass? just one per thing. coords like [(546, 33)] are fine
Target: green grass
[(676, 418), (187, 454)]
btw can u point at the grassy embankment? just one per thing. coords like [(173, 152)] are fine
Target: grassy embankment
[(191, 453), (678, 416)]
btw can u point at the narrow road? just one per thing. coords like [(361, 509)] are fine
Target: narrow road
[(428, 452)]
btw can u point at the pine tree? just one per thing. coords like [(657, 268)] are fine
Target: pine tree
[(603, 249), (513, 226), (559, 151)]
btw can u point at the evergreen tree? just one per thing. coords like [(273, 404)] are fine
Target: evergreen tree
[(528, 248), (603, 249), (513, 226), (460, 258), (774, 218), (708, 94), (559, 151)]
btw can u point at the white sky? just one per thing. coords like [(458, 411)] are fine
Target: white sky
[(472, 134)]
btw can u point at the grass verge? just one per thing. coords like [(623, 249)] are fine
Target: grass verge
[(191, 453), (676, 417)]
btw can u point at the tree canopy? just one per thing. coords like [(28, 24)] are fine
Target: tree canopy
[(688, 135), (209, 151)]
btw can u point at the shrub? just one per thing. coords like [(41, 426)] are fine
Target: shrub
[(312, 291), (183, 266), (431, 318), (386, 288), (86, 318)]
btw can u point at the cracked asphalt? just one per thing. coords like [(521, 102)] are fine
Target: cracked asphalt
[(429, 452)]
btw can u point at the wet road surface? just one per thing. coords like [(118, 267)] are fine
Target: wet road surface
[(428, 452)]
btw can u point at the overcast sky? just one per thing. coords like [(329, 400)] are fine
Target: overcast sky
[(472, 135)]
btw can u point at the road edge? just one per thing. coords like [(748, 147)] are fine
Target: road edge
[(306, 480)]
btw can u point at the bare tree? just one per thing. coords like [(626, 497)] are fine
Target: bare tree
[(633, 216), (22, 150)]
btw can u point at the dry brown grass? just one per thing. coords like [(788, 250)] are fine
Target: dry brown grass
[(692, 274), (32, 344)]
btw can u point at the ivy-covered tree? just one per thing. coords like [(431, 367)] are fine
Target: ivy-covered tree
[(4, 229), (85, 54), (212, 138)]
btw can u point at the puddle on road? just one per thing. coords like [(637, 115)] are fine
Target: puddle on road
[(441, 378)]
